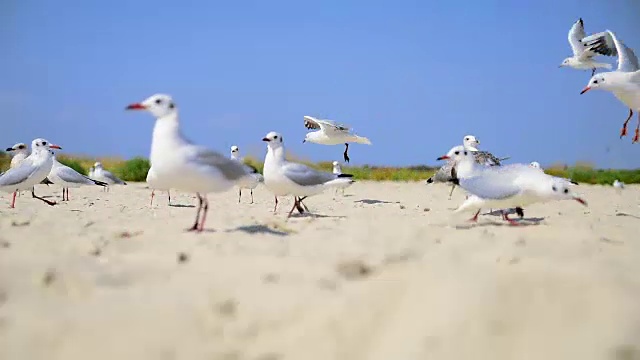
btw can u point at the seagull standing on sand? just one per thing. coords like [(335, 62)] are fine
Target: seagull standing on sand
[(618, 184), (283, 177), (506, 186), (470, 143), (154, 184), (180, 164), (105, 176), (624, 82), (20, 152), (252, 181), (583, 54), (337, 170), (30, 171), (67, 177), (331, 133)]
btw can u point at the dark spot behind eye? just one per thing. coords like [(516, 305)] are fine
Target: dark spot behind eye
[(554, 188), (566, 191), (44, 143), (171, 106), (465, 153)]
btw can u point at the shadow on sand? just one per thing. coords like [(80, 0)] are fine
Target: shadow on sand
[(259, 229), (373, 201)]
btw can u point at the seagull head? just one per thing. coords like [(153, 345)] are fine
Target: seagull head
[(234, 149), (453, 153), (567, 62), (97, 165), (159, 105), (596, 81), (535, 165), (470, 142), (274, 140), (19, 148), (335, 163), (559, 189), (40, 144)]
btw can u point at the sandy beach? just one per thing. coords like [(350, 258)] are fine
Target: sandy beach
[(387, 272)]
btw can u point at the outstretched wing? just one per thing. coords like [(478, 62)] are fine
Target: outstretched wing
[(312, 123), (606, 43)]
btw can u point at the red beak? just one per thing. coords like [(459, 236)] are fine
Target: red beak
[(444, 157), (585, 90), (581, 201), (54, 146), (136, 106)]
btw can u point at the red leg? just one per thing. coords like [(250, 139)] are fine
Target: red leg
[(511, 221), (152, 194), (13, 202), (623, 132), (475, 217), (636, 137)]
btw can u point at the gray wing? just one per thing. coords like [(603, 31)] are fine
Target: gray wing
[(606, 43), (18, 174), (306, 176), (326, 125), (231, 169), (69, 175), (444, 173), (486, 158), (113, 178), (490, 186)]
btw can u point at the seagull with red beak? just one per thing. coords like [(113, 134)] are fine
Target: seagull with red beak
[(180, 164), (31, 171)]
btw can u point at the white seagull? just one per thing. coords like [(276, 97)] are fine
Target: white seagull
[(624, 82), (583, 55), (337, 169), (20, 152), (283, 177), (180, 164), (507, 186), (618, 184), (252, 181), (154, 184), (30, 171), (331, 133), (66, 177), (105, 176)]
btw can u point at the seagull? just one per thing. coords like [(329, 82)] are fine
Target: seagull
[(255, 178), (583, 55), (618, 184), (338, 170), (331, 133), (506, 186), (30, 171), (469, 142), (152, 181), (624, 82), (535, 165), (283, 177), (100, 174), (180, 164), (67, 177), (20, 152)]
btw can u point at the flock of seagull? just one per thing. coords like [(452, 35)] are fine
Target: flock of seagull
[(177, 163)]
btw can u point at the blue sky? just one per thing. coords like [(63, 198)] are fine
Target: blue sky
[(413, 76)]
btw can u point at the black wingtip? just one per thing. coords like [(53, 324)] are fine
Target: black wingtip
[(574, 182), (429, 180), (345, 175), (520, 212), (454, 177)]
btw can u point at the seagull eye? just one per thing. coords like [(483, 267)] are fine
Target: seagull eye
[(158, 101), (566, 191), (595, 81), (275, 137), (465, 153), (457, 152)]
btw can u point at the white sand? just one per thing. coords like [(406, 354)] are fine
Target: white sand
[(98, 278)]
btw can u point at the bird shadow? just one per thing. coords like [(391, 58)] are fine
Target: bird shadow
[(259, 229), (319, 216), (373, 201), (630, 215), (520, 223), (182, 205)]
